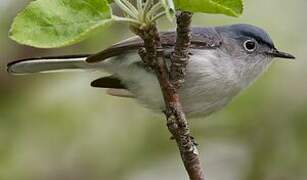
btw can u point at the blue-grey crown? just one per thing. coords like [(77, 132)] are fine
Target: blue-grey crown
[(248, 31)]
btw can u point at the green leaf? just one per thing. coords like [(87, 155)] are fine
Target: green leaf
[(58, 23), (169, 9), (227, 7)]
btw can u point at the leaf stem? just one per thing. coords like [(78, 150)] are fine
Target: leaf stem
[(125, 9), (126, 19), (130, 6), (147, 5), (158, 16), (139, 5), (154, 9)]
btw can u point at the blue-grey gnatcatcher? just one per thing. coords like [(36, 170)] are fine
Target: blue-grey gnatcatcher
[(224, 61)]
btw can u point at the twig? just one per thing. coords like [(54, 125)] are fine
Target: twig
[(153, 55), (177, 122), (180, 56)]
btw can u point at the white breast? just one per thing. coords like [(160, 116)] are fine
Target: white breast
[(210, 82)]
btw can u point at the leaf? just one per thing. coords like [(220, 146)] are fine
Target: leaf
[(58, 23), (169, 9), (227, 7)]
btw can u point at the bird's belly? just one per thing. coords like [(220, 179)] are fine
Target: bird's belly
[(197, 99), (210, 84), (200, 99), (207, 86), (204, 103)]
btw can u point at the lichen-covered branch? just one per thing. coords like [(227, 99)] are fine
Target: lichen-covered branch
[(180, 56), (180, 129), (170, 80)]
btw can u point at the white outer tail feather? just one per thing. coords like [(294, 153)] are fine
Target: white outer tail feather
[(49, 64)]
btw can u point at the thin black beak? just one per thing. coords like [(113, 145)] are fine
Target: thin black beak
[(279, 54)]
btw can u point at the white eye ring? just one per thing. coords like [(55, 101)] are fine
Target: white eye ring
[(250, 45)]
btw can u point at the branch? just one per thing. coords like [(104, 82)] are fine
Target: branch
[(180, 56), (177, 122), (153, 55)]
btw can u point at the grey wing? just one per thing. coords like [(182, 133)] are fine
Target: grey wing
[(131, 44), (117, 49), (201, 38)]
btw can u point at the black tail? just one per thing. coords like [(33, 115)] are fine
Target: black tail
[(48, 64)]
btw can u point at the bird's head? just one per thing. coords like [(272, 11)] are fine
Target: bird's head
[(251, 49), (251, 41)]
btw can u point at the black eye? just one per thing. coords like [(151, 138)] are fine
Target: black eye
[(249, 45)]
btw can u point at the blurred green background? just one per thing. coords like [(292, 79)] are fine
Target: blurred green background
[(56, 127)]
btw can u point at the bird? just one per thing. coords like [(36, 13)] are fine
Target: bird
[(224, 60)]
